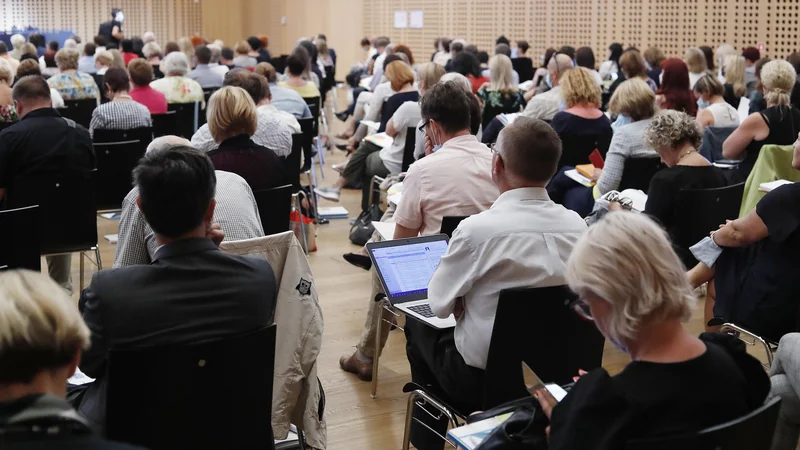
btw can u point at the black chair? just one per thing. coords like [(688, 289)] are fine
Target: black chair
[(186, 117), (450, 223), (524, 67), (210, 395), (79, 110), (19, 241), (201, 117), (577, 148), (753, 431), (101, 85), (314, 104), (409, 148), (638, 172), (117, 152), (165, 124), (291, 163), (274, 208), (490, 112), (557, 344), (711, 148), (279, 63), (67, 212)]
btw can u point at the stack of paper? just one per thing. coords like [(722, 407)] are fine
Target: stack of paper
[(371, 124), (507, 119), (111, 238), (110, 216), (332, 212), (385, 229), (772, 185), (470, 436), (382, 140), (572, 173)]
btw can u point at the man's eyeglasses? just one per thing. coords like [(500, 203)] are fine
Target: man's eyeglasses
[(582, 309), (424, 125)]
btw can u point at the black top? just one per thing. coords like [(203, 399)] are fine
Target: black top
[(106, 28), (43, 142), (783, 123), (258, 165), (730, 97), (580, 136), (264, 56), (392, 103), (651, 400), (654, 74), (191, 292), (664, 195), (757, 286)]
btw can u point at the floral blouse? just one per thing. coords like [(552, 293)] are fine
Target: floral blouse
[(74, 85), (179, 89), (508, 101), (8, 114)]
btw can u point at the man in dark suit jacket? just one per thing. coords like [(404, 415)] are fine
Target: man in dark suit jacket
[(191, 292)]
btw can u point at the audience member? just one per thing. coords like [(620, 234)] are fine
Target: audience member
[(384, 49), (696, 63), (255, 46), (216, 53), (483, 58), (31, 67), (723, 51), (569, 51), (734, 85), (197, 292), (783, 377), (13, 63), (442, 57), (296, 65), (17, 41), (712, 109), (141, 75), (203, 73), (103, 61), (634, 105), (8, 112), (86, 62), (541, 74), (500, 49), (708, 52), (676, 137), (100, 42), (522, 225), (175, 86), (264, 105), (152, 53), (42, 341), (757, 101), (118, 60), (121, 112), (610, 67), (243, 57), (501, 94), (71, 84), (42, 143), (794, 60), (584, 57), (522, 49), (285, 99), (751, 56), (29, 51), (270, 132), (654, 57), (544, 106), (149, 37), (263, 51), (226, 56), (186, 47), (454, 181), (236, 213), (38, 42), (674, 92), (171, 47), (467, 64), (47, 62), (640, 310), (633, 65), (777, 124), (128, 54)]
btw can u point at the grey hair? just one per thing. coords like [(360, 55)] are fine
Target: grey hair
[(216, 52), (670, 129), (649, 282), (458, 78), (168, 141), (175, 62), (71, 43), (67, 59), (148, 37), (17, 41), (150, 50)]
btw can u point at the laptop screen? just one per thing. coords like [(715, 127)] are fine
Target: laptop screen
[(406, 269)]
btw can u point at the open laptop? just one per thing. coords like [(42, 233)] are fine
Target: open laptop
[(405, 267)]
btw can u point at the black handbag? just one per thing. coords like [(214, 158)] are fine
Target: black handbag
[(524, 430), (362, 228)]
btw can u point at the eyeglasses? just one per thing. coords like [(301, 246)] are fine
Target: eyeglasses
[(424, 125), (581, 308)]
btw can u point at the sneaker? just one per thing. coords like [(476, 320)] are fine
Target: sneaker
[(327, 193)]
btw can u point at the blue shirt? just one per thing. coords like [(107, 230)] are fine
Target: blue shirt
[(86, 64), (205, 76), (289, 101)]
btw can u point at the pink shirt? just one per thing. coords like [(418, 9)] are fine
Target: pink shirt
[(454, 181), (153, 99)]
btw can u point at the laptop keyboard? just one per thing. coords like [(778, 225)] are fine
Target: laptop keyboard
[(422, 310)]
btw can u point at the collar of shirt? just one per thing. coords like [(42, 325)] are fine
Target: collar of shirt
[(462, 143), (182, 247), (236, 142), (42, 112), (141, 88), (521, 195), (202, 67), (268, 108)]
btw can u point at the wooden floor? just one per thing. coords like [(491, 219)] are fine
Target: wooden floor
[(355, 421)]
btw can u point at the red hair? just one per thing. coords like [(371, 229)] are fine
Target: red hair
[(197, 41), (675, 87), (264, 41)]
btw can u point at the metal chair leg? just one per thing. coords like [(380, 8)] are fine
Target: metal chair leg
[(97, 255), (299, 210), (376, 357), (412, 401), (321, 156), (756, 339), (80, 257)]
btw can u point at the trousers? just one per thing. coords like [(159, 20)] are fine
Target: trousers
[(785, 378), (59, 267)]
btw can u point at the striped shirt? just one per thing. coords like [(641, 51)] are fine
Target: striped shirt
[(120, 115)]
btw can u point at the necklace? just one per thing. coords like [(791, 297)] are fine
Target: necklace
[(685, 154)]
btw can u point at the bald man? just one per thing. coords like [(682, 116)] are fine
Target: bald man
[(236, 212), (545, 105)]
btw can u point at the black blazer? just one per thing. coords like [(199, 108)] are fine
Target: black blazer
[(191, 292)]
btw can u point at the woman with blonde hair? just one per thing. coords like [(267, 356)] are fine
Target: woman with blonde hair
[(675, 383), (243, 58), (232, 120), (695, 60), (733, 72), (117, 60), (633, 65), (8, 112), (654, 57), (185, 45), (712, 109), (500, 95), (776, 125)]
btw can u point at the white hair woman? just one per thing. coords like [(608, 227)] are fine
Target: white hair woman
[(175, 86), (778, 124), (500, 95), (8, 112), (71, 84), (696, 61), (17, 41), (675, 383)]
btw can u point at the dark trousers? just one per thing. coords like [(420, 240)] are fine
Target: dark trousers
[(365, 163), (570, 194), (437, 366)]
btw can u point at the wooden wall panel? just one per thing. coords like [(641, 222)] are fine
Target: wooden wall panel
[(169, 19)]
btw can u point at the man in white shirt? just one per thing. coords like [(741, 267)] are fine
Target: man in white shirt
[(216, 52), (523, 240), (547, 104), (382, 44)]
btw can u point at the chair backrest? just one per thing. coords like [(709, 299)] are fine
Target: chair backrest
[(713, 137), (165, 124), (185, 115), (314, 104), (79, 110), (450, 223), (524, 67), (537, 326), (409, 148), (703, 210), (638, 172), (279, 63), (67, 211), (274, 208), (201, 116), (210, 395), (309, 129), (392, 104), (101, 85), (19, 239), (117, 152), (577, 148), (490, 112), (291, 164), (753, 431)]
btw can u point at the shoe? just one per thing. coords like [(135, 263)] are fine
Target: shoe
[(357, 260), (339, 167), (327, 193), (342, 115), (352, 364), (344, 147)]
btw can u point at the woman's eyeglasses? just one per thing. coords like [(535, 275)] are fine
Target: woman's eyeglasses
[(582, 309)]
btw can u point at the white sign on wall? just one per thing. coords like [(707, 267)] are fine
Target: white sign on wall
[(416, 19), (401, 19)]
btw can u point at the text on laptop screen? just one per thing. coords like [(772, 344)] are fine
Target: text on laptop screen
[(406, 269)]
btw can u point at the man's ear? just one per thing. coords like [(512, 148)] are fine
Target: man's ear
[(210, 211)]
